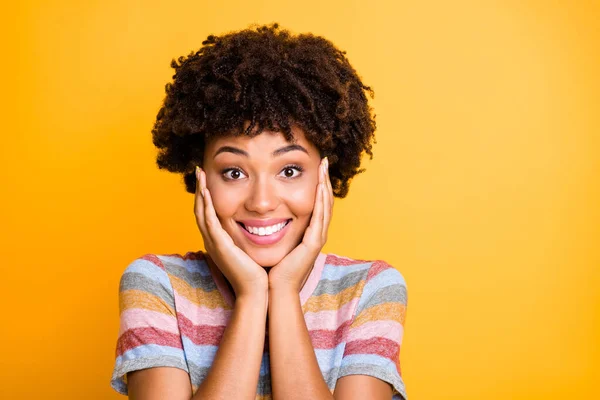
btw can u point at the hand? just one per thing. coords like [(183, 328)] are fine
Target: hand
[(244, 274), (292, 271)]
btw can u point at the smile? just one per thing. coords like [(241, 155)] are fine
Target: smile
[(264, 232)]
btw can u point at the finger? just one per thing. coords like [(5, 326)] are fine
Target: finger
[(202, 181), (322, 170), (210, 223), (329, 187), (199, 208), (197, 196), (316, 222), (318, 204), (326, 212), (210, 215), (219, 236)]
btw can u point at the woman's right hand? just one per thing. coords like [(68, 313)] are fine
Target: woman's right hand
[(244, 274)]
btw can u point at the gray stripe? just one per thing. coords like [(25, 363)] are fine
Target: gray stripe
[(138, 281), (378, 372), (191, 264), (395, 293), (136, 364), (197, 374), (331, 377), (196, 280), (333, 287)]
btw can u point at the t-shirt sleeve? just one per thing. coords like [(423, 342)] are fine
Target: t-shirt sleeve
[(148, 333), (375, 335)]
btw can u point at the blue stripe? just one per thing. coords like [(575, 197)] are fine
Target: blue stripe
[(203, 356), (372, 359), (149, 351), (150, 270), (328, 357), (200, 354), (389, 277), (191, 265), (331, 272)]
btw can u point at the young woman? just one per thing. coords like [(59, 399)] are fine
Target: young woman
[(266, 128)]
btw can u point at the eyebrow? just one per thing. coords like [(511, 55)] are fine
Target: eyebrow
[(278, 152)]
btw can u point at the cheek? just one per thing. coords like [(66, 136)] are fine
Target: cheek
[(301, 201), (225, 201)]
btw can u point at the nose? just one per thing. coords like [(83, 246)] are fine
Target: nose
[(262, 197)]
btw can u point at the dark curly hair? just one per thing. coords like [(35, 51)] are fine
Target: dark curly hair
[(273, 79)]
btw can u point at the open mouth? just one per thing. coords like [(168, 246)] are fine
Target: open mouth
[(265, 230)]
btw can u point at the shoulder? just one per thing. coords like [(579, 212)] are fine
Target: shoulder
[(374, 280), (383, 274), (161, 266), (376, 271), (156, 273)]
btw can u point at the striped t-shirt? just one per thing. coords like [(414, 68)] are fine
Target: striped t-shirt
[(174, 310)]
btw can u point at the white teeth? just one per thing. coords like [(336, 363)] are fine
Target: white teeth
[(266, 230)]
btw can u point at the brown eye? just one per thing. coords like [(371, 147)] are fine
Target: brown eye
[(291, 172), (233, 174)]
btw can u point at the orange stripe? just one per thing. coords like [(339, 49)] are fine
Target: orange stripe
[(211, 299), (333, 302), (383, 311), (133, 298)]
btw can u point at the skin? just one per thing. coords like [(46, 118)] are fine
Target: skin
[(265, 186), (266, 280)]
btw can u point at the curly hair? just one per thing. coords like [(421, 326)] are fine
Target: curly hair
[(273, 79)]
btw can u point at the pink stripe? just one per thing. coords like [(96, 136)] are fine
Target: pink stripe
[(203, 315), (376, 268), (142, 336), (313, 279), (328, 339), (140, 318), (341, 261), (391, 330), (330, 319), (380, 346), (201, 334), (153, 258)]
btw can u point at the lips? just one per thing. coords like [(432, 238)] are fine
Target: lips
[(262, 222), (264, 230)]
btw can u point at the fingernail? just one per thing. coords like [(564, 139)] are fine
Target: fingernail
[(326, 163), (197, 172)]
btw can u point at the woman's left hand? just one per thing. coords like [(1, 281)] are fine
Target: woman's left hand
[(292, 270)]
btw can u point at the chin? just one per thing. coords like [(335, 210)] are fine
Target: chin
[(267, 257)]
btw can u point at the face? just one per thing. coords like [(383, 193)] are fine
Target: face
[(263, 189)]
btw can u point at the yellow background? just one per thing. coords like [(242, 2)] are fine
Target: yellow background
[(484, 190)]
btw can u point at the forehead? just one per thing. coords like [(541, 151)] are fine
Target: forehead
[(266, 141)]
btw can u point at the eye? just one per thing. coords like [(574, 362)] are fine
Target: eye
[(292, 171), (233, 174)]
